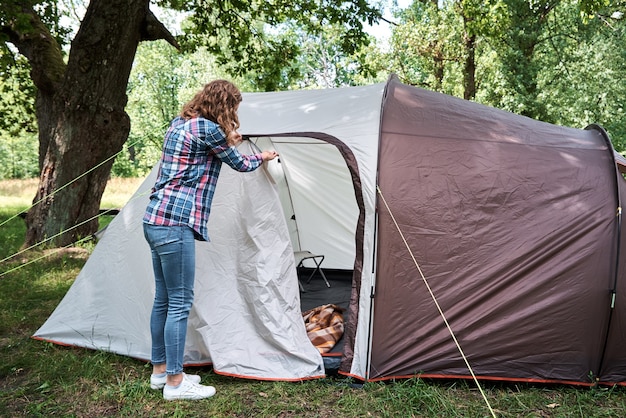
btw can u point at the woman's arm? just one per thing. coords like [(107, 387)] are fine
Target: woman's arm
[(243, 162)]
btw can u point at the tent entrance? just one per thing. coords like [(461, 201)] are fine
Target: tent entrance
[(317, 294), (317, 195)]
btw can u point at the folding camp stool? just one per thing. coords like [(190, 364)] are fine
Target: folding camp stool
[(300, 256)]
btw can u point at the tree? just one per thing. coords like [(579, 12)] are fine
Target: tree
[(556, 61), (243, 45), (560, 67), (80, 103), (162, 79), (323, 63), (434, 46), (525, 27), (79, 106), (582, 80)]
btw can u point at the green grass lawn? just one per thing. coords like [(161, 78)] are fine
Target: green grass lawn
[(39, 379)]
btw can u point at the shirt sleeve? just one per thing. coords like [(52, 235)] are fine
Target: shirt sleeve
[(215, 139), (239, 161)]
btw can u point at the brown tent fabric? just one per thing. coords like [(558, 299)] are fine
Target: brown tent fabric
[(513, 223), (620, 160)]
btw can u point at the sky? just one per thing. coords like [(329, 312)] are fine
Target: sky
[(382, 31)]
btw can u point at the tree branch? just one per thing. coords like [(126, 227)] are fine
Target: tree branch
[(37, 44), (152, 29)]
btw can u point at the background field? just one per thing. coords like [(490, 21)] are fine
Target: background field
[(40, 379)]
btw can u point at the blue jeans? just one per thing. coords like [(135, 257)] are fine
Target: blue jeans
[(173, 261)]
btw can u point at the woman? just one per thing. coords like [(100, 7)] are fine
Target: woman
[(196, 144)]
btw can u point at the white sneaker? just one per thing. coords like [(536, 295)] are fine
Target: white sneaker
[(157, 382), (187, 390)]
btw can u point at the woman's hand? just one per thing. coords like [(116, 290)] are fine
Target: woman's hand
[(269, 155)]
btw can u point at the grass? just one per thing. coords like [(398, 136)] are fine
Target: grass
[(118, 191), (39, 379)]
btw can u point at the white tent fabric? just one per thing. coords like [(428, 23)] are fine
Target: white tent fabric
[(246, 316), (352, 115)]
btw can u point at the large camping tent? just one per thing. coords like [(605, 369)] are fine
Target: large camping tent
[(452, 217)]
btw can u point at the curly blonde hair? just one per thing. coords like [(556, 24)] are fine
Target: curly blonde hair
[(217, 101)]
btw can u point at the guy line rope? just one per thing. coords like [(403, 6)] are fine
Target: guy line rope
[(61, 232), (432, 295)]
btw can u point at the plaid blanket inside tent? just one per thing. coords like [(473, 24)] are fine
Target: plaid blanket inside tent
[(324, 326)]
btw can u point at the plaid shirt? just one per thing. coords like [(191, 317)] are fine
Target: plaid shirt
[(190, 164)]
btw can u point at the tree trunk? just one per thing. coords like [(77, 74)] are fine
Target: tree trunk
[(469, 52), (469, 67), (528, 23), (438, 67), (80, 112), (437, 48)]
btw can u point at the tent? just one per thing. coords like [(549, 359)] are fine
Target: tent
[(450, 217)]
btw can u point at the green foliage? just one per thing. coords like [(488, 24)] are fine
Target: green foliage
[(561, 69), (539, 59), (17, 93), (589, 7), (322, 63), (243, 34), (426, 47), (152, 91), (582, 81), (161, 81), (18, 127), (18, 155), (50, 12)]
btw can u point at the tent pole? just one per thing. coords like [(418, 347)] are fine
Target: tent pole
[(284, 171), (613, 290)]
